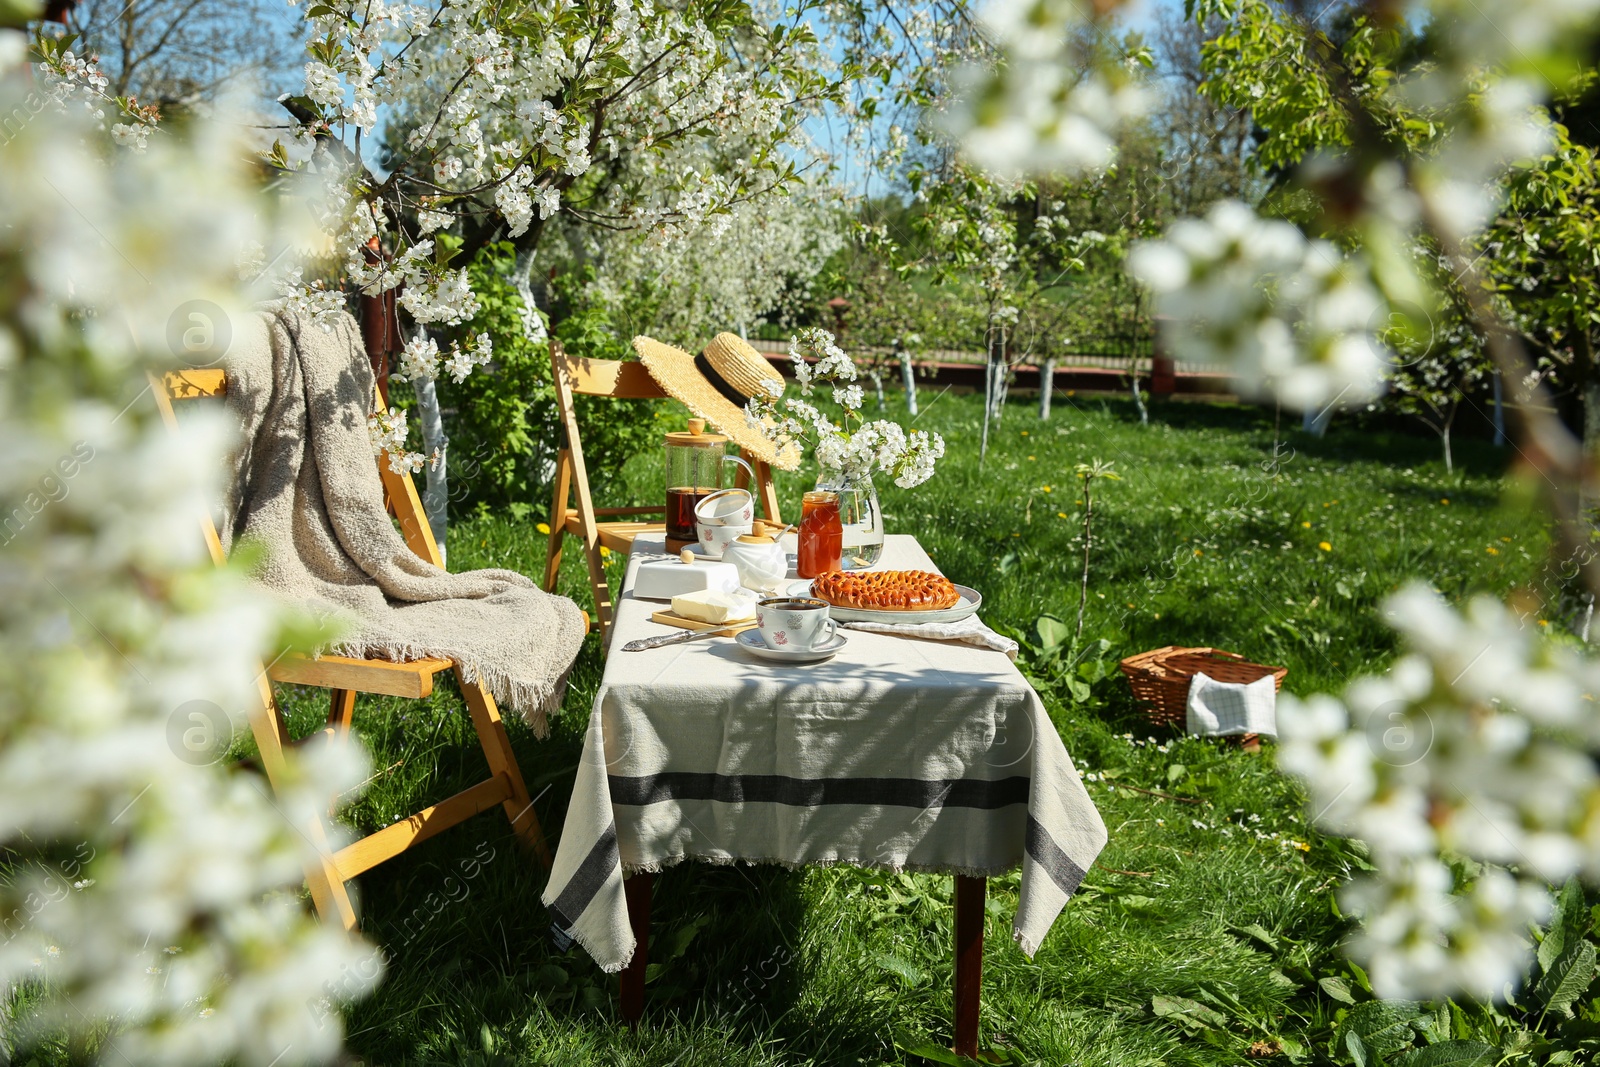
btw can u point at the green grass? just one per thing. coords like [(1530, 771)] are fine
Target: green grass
[(1201, 894)]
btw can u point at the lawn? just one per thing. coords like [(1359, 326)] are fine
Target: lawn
[(1202, 933)]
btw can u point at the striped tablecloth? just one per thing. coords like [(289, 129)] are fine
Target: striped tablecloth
[(897, 754)]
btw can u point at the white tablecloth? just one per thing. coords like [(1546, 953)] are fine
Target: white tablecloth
[(897, 754)]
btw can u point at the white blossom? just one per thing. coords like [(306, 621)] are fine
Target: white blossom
[(177, 919), (1464, 746), (1288, 316), (418, 360)]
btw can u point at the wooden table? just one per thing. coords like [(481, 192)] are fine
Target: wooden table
[(898, 754)]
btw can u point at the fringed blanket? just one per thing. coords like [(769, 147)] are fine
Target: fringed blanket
[(306, 489)]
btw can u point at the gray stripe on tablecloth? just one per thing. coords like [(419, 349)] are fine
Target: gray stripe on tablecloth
[(1047, 854), (817, 792), (587, 880)]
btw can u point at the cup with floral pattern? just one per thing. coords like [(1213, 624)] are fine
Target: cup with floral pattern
[(794, 624)]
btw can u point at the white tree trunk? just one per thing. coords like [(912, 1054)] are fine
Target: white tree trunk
[(988, 409), (1047, 383), (533, 329), (908, 375), (436, 490), (877, 386), (1499, 412), (1316, 422), (1138, 397)]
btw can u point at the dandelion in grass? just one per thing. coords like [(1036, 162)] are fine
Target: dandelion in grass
[(543, 528), (1325, 546)]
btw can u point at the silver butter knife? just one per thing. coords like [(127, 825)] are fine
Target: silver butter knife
[(672, 639)]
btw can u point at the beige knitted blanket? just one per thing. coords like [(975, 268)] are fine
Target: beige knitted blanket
[(306, 489)]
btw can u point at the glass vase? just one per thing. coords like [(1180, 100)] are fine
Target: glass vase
[(860, 515)]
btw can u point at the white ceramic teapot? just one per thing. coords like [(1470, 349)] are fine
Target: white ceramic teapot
[(759, 559)]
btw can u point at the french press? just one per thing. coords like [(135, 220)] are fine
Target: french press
[(695, 460)]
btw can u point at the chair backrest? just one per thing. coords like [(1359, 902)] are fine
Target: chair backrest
[(400, 493), (603, 377)]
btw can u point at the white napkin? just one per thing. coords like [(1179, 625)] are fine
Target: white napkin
[(1219, 709), (970, 631)]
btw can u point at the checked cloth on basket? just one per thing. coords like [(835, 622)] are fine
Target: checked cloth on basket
[(897, 754), (1222, 709)]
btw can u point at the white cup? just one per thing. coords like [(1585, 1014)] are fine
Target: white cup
[(794, 623), (726, 507), (713, 539)]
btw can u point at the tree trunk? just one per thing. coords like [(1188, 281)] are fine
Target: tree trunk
[(533, 329), (1500, 412), (1449, 463), (1138, 397), (436, 490), (908, 374), (997, 394), (877, 385), (1584, 351), (1316, 422), (1083, 589), (1047, 383), (988, 408)]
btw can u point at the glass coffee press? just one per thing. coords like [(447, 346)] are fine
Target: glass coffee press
[(695, 460)]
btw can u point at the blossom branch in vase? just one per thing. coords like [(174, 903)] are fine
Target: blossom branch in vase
[(849, 451)]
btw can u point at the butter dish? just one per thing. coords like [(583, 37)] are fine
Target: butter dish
[(667, 578)]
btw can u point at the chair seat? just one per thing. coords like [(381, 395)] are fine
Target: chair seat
[(617, 536), (410, 679)]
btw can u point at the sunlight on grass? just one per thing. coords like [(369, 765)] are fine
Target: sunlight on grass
[(1206, 924)]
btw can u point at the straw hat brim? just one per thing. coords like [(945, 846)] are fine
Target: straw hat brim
[(675, 371)]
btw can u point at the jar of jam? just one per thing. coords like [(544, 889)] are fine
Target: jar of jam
[(821, 535)]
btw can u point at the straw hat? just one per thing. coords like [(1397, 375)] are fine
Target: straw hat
[(715, 385)]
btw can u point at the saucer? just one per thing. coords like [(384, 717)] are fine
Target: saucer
[(750, 641)]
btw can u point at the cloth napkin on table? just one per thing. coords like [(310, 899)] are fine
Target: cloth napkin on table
[(969, 631), (1220, 709)]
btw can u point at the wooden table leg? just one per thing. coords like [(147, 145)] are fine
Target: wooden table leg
[(969, 961), (637, 889)]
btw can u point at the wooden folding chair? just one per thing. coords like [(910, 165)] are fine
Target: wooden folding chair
[(345, 677), (620, 381)]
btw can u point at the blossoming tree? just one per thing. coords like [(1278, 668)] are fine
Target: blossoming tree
[(149, 897), (1477, 743), (657, 120)]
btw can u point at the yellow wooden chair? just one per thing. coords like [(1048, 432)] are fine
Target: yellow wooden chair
[(618, 380), (344, 678)]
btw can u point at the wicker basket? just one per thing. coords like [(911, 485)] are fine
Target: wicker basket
[(1160, 678)]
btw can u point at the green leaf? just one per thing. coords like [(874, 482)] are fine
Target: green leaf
[(446, 246), (1338, 989), (1175, 775), (1567, 978), (1450, 1054), (932, 1053), (1078, 688), (1357, 1049), (1384, 1026), (1188, 1012), (1569, 921), (901, 968), (1052, 632), (1142, 906)]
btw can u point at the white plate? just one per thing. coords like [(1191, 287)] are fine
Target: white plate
[(971, 600), (750, 641)]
